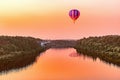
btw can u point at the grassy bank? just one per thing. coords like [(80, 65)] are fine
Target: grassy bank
[(16, 52), (107, 48)]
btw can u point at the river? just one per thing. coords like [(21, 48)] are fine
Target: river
[(64, 64)]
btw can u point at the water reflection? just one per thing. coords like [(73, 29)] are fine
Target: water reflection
[(74, 54), (17, 62), (95, 57), (64, 64)]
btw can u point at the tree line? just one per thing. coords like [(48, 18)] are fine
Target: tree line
[(104, 47)]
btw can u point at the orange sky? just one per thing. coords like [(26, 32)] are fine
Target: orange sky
[(48, 19)]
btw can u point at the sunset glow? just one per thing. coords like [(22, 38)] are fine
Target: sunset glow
[(49, 19), (56, 66)]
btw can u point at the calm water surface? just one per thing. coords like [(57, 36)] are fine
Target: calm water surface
[(64, 64)]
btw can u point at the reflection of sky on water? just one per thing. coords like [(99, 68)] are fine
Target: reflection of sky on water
[(58, 65)]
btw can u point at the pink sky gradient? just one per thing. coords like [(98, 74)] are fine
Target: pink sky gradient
[(49, 19)]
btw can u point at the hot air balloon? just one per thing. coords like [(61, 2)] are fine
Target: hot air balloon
[(74, 14)]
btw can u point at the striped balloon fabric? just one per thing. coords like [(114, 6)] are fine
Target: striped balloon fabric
[(74, 14)]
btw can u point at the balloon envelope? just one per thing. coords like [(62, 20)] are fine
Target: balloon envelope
[(74, 14)]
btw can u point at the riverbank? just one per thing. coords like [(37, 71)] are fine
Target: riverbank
[(17, 52), (106, 48)]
